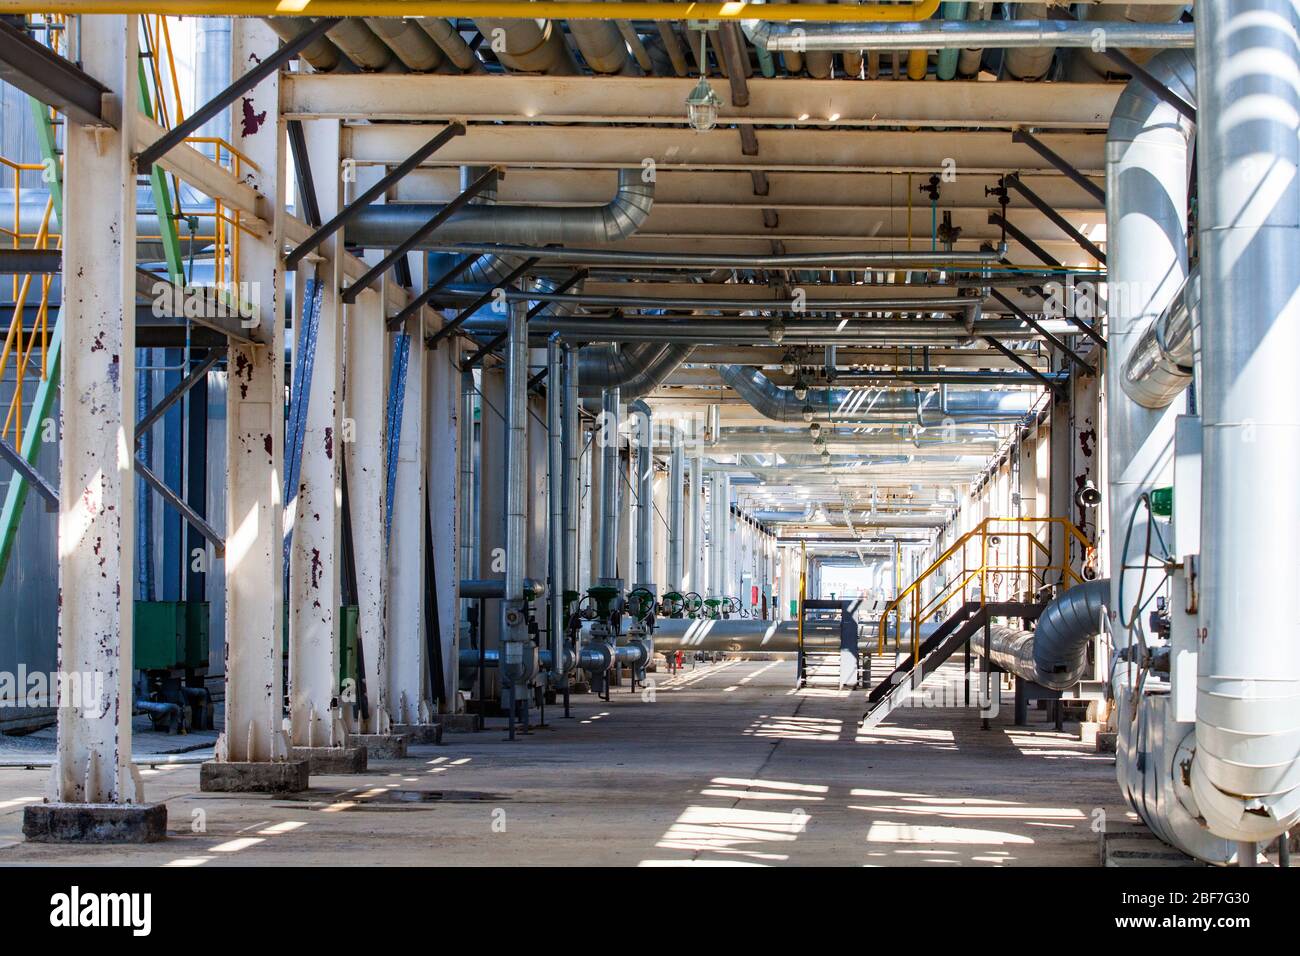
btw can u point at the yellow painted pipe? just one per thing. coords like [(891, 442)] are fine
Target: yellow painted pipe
[(505, 9), (918, 62)]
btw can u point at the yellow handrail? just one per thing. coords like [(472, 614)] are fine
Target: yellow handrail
[(990, 531)]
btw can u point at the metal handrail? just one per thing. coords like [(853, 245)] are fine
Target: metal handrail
[(1035, 573)]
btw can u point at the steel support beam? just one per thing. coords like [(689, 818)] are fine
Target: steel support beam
[(30, 261), (265, 68), (96, 486), (255, 455), (1025, 138), (498, 340), (378, 189), (996, 219), (1056, 342), (1140, 73), (412, 241), (195, 520), (175, 395), (41, 73), (1015, 182), (421, 300), (29, 473), (451, 325)]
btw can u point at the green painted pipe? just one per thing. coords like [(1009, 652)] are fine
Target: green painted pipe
[(947, 68)]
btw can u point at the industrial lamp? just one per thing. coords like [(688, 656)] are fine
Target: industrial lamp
[(702, 105)]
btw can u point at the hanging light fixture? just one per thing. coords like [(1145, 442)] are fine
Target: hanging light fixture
[(702, 105)]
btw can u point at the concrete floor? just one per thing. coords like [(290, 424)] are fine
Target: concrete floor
[(724, 765)]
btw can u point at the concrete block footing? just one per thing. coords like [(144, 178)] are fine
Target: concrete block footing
[(271, 776), (332, 759), (461, 723), (1126, 844), (95, 822), (421, 733), (1107, 741), (381, 746)]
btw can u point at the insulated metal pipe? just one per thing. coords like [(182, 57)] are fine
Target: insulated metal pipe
[(572, 448), (1159, 365), (468, 488), (1245, 774), (609, 482), (694, 260), (676, 464), (1055, 654), (695, 529), (960, 34), (517, 451), (645, 504), (555, 493)]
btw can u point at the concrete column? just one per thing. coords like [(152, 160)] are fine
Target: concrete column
[(252, 752), (444, 410), (407, 667), (365, 442), (96, 492), (316, 717)]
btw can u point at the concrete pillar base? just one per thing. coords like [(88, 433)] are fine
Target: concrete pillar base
[(95, 822), (272, 776), (381, 746), (461, 723), (332, 759), (421, 733)]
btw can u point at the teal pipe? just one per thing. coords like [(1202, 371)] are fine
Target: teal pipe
[(765, 62), (947, 68)]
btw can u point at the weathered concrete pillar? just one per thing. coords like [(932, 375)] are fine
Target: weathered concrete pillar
[(407, 667), (315, 711), (365, 445), (96, 485), (444, 409), (253, 752)]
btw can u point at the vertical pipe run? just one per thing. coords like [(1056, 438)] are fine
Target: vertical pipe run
[(556, 493), (609, 482), (675, 529), (645, 504), (695, 529), (1245, 775), (468, 544), (517, 450), (572, 441)]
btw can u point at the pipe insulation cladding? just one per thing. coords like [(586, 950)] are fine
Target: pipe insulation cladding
[(1055, 653), (1245, 774)]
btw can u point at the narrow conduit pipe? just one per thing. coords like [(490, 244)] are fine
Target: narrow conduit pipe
[(676, 521), (645, 503), (1245, 774), (810, 260)]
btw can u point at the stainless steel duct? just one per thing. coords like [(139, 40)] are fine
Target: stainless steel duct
[(694, 545), (1054, 654), (520, 656), (657, 371), (1159, 365), (384, 226), (572, 451), (947, 34), (1245, 774), (645, 503), (867, 405), (603, 366), (555, 529)]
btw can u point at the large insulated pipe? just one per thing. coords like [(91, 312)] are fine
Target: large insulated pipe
[(468, 487), (408, 42), (555, 493), (601, 43), (676, 477), (609, 481), (383, 226), (516, 451), (572, 450), (451, 43), (354, 38), (848, 405), (941, 34), (323, 55), (528, 46), (695, 566), (606, 366), (1245, 773), (1055, 654), (1030, 63), (1147, 161), (1159, 366), (645, 497)]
